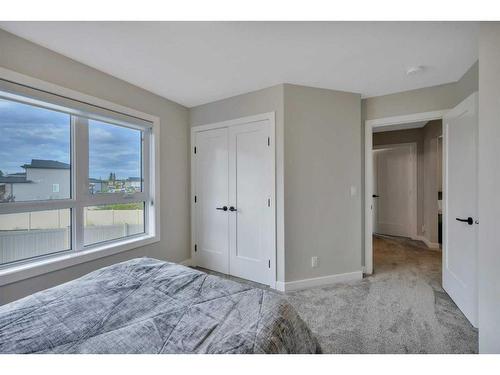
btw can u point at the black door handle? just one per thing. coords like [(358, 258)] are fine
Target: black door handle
[(469, 220), (224, 208), (232, 209), (375, 196)]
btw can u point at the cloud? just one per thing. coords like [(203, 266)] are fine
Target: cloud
[(114, 149), (28, 132)]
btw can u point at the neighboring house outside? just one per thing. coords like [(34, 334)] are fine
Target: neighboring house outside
[(133, 183), (97, 185), (7, 184), (42, 180), (50, 179)]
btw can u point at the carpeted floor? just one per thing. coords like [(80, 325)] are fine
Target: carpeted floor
[(401, 308)]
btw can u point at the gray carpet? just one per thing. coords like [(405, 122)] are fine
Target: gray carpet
[(401, 308)]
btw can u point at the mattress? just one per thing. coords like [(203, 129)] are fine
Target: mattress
[(150, 306)]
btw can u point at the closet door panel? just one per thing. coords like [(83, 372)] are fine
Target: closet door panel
[(250, 173), (211, 185)]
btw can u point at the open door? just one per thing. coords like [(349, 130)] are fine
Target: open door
[(460, 206)]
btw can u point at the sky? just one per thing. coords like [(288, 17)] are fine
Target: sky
[(28, 132)]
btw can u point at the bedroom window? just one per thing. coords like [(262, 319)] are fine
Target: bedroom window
[(74, 179)]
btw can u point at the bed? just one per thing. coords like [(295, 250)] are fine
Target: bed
[(150, 306)]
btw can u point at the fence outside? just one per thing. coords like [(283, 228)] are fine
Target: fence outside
[(15, 245), (60, 219), (34, 234), (100, 233)]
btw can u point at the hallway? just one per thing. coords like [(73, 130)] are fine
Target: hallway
[(401, 308)]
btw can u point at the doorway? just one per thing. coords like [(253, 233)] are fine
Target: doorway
[(455, 199)]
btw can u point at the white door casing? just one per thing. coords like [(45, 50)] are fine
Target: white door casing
[(211, 192), (395, 208), (460, 127), (251, 238)]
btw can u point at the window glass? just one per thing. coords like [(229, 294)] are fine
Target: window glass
[(113, 221), (115, 158), (39, 163), (34, 153), (32, 234)]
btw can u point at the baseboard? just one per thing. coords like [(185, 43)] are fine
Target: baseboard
[(289, 286), (305, 283), (280, 286), (188, 262), (429, 244)]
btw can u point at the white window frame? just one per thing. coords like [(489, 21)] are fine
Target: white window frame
[(29, 90)]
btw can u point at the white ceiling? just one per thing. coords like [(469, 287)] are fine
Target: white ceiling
[(198, 62)]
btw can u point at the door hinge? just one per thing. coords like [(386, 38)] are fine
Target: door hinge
[(269, 263), (195, 149), (269, 141), (195, 199), (195, 248)]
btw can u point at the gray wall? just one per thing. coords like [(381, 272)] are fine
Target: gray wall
[(489, 182), (261, 101), (322, 132), (27, 58)]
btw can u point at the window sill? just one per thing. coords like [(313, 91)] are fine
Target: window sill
[(39, 267)]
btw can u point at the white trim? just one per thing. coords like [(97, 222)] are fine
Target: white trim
[(271, 117), (407, 119), (369, 125), (413, 230), (30, 268), (289, 286)]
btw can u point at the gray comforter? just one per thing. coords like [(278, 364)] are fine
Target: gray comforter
[(149, 306)]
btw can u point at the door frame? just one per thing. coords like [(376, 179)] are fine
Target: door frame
[(368, 165), (270, 116), (413, 182)]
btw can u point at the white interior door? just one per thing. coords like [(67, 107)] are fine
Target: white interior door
[(211, 220), (394, 191), (460, 206), (251, 215)]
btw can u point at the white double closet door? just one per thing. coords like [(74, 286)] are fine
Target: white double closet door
[(234, 211)]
